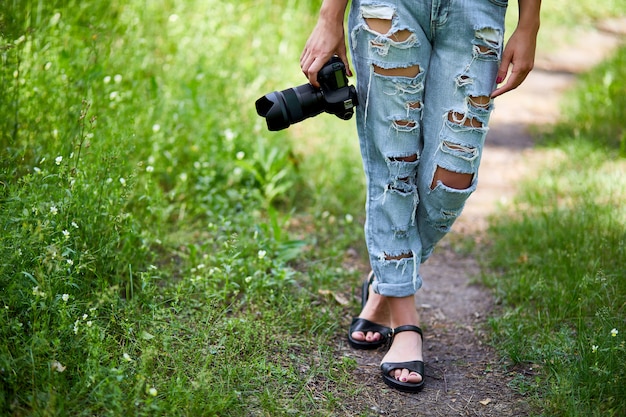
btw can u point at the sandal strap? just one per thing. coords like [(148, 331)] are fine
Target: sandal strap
[(408, 328), (364, 325), (412, 366), (365, 289)]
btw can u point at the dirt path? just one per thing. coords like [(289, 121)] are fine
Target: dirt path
[(465, 377)]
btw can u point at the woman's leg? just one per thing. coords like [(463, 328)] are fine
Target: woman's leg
[(406, 346), (424, 91), (467, 47), (391, 54)]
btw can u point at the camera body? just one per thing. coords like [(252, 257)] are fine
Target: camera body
[(335, 96)]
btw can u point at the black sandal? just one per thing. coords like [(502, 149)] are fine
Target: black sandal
[(412, 366), (363, 325)]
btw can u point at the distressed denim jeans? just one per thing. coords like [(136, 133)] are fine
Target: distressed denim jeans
[(425, 71)]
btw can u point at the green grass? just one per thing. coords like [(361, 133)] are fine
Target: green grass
[(159, 246), (161, 253), (563, 21), (561, 257)]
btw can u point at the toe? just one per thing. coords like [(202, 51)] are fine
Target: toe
[(372, 337), (360, 336), (414, 377), (404, 375)]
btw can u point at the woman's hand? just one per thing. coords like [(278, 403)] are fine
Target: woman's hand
[(519, 52), (519, 58), (326, 40)]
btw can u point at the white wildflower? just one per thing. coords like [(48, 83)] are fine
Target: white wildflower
[(65, 297), (107, 79), (156, 127), (38, 293), (55, 19), (614, 332), (58, 160), (57, 366), (66, 234), (240, 155), (229, 135), (262, 254), (117, 78), (152, 391), (149, 168)]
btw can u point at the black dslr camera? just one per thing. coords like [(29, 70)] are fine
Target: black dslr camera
[(283, 108)]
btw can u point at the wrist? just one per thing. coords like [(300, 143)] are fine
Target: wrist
[(529, 16), (333, 10)]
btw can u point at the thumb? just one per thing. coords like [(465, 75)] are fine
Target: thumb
[(503, 69)]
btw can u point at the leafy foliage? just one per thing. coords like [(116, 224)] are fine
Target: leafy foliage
[(561, 257)]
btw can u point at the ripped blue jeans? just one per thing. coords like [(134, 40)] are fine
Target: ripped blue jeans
[(425, 71)]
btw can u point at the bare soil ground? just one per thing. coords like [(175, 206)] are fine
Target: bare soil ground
[(464, 375)]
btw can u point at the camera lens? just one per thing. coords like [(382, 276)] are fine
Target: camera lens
[(283, 108)]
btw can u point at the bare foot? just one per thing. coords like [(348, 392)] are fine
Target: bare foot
[(406, 346), (377, 311)]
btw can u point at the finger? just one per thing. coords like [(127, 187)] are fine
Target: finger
[(344, 58), (503, 70), (514, 81), (313, 70), (303, 57), (308, 68)]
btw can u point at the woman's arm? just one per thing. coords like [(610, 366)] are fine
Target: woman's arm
[(326, 40), (519, 53)]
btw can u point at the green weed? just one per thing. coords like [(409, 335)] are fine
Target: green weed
[(149, 262), (562, 253)]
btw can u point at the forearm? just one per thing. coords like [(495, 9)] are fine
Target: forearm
[(529, 15), (333, 10)]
